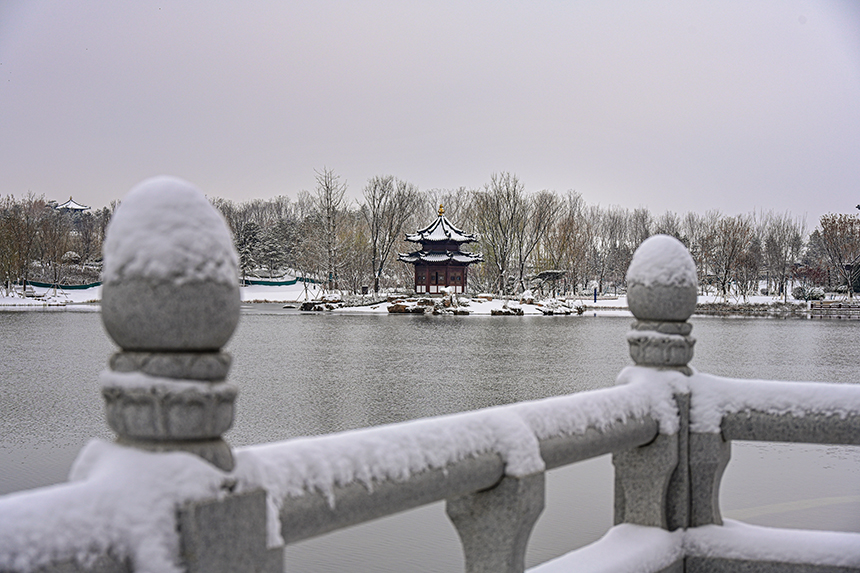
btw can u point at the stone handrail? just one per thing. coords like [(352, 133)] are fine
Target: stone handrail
[(170, 300), (314, 514)]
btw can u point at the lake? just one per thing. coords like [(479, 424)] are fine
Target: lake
[(305, 374)]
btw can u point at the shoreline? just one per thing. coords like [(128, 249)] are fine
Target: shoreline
[(760, 306)]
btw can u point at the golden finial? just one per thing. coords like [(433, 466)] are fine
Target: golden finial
[(441, 210)]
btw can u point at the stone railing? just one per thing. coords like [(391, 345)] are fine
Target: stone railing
[(171, 495)]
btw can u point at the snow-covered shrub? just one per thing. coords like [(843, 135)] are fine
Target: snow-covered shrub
[(807, 293)]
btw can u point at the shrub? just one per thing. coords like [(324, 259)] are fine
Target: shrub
[(807, 293)]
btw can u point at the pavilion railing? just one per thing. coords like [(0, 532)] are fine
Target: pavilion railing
[(144, 504)]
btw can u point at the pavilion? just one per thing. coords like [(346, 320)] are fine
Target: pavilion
[(441, 262)]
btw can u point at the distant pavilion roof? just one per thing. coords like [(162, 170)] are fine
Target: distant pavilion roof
[(441, 231), (72, 205)]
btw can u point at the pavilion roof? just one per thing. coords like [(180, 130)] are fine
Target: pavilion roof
[(72, 205), (439, 231), (438, 257)]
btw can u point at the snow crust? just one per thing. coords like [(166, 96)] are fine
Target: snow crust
[(737, 540), (662, 260), (166, 230), (122, 499), (628, 548), (441, 230), (158, 385), (625, 548), (714, 396)]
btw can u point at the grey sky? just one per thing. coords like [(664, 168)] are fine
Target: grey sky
[(671, 105)]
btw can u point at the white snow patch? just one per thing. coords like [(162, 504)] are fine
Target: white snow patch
[(713, 397), (575, 413), (122, 499), (286, 293), (662, 260), (628, 548), (625, 548), (166, 230), (161, 386), (392, 452), (661, 386), (737, 540)]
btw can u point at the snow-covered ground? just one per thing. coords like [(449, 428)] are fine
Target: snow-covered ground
[(87, 299), (47, 297), (51, 298)]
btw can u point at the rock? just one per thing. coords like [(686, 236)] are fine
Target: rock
[(507, 311), (405, 308)]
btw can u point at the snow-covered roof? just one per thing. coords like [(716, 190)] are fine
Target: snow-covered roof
[(441, 257), (72, 205), (441, 230)]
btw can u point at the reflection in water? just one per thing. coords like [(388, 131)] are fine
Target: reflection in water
[(306, 374)]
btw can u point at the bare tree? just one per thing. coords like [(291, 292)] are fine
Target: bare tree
[(565, 244), (499, 214), (840, 239), (328, 203), (669, 224), (540, 212), (54, 241), (728, 240), (783, 246), (354, 246), (640, 226), (388, 205), (746, 270), (22, 230), (616, 245), (698, 230)]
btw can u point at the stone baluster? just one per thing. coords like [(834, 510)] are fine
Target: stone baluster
[(494, 525), (170, 300), (661, 293)]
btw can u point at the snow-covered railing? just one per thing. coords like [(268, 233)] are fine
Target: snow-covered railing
[(171, 495)]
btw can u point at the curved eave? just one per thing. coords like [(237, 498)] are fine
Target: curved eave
[(440, 231), (440, 258)]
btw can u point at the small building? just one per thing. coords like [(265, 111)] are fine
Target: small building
[(72, 205), (441, 262)]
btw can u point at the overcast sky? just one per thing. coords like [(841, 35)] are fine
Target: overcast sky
[(681, 105)]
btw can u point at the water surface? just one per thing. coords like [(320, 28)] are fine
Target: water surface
[(305, 374)]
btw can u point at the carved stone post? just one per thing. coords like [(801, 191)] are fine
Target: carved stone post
[(494, 525), (642, 482), (661, 294), (170, 300), (709, 455)]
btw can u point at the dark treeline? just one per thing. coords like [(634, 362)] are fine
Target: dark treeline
[(350, 244), (40, 242)]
